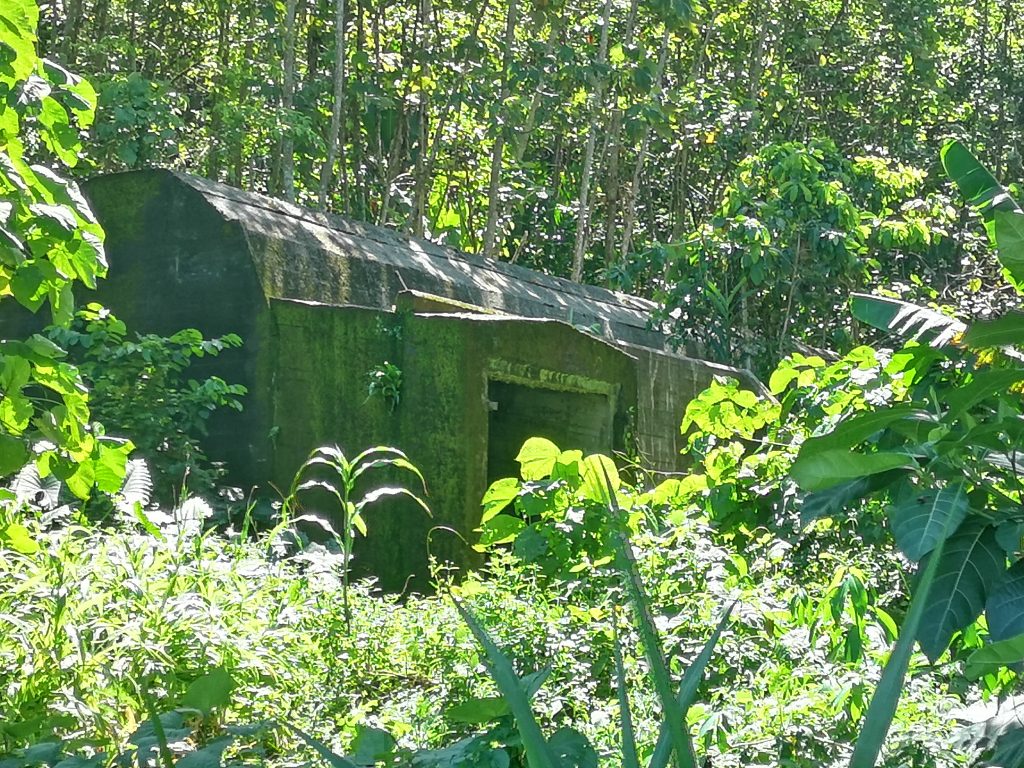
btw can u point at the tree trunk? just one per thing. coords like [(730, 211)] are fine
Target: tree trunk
[(214, 161), (756, 68), (498, 149), (641, 159), (72, 23), (426, 170), (335, 145), (611, 192), (681, 207), (419, 199), (583, 217), (612, 184), (523, 136), (287, 99)]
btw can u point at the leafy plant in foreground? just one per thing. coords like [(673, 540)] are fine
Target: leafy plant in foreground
[(946, 460), (567, 748), (598, 537), (329, 470), (140, 388), (49, 241)]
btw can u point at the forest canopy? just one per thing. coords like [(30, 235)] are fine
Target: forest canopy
[(722, 157)]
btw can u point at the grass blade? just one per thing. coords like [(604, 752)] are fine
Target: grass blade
[(629, 758), (331, 758), (887, 694), (538, 754), (688, 690), (671, 713)]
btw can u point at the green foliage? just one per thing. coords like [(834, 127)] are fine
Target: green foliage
[(798, 229), (141, 389), (328, 470), (386, 383), (138, 121), (958, 487), (49, 241), (809, 629), (1003, 218), (429, 97), (561, 518)]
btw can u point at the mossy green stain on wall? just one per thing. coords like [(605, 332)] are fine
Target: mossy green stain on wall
[(323, 356), (190, 253)]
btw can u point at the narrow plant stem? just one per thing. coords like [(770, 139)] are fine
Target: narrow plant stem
[(629, 756), (158, 728), (346, 548)]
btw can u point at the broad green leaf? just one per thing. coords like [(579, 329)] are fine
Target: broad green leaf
[(984, 385), (979, 187), (1003, 331), (969, 567), (83, 479), (537, 458), (1011, 538), (478, 711), (209, 692), (1004, 608), (18, 538), (372, 745), (572, 749), (922, 520), (14, 454), (905, 319), (993, 656), (110, 466), (887, 695), (501, 529), (836, 499), (390, 492), (18, 22), (854, 430), (1003, 219), (498, 496), (595, 470), (824, 469), (210, 755), (567, 467), (676, 490), (1009, 229)]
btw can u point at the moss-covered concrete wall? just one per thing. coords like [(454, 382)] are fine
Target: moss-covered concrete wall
[(320, 301), (665, 386), (176, 263), (322, 357)]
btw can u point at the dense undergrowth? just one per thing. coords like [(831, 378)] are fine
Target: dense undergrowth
[(100, 620)]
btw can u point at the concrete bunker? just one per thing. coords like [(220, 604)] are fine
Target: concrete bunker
[(490, 353)]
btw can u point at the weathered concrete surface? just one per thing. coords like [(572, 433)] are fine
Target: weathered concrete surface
[(450, 364), (489, 352)]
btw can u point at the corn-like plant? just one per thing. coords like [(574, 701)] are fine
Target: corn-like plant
[(340, 478)]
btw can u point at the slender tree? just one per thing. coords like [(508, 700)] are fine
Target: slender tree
[(335, 146), (498, 148), (596, 103)]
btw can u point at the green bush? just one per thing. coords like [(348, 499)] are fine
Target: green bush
[(140, 388)]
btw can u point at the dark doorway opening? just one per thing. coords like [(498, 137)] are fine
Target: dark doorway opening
[(571, 420)]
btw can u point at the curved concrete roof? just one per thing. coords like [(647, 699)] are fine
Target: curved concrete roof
[(311, 256)]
